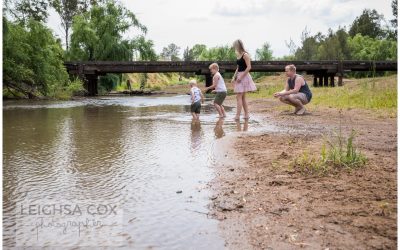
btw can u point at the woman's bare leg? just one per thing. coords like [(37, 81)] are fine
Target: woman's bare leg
[(245, 106), (239, 101)]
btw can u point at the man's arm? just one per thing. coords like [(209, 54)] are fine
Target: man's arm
[(297, 85), (280, 93)]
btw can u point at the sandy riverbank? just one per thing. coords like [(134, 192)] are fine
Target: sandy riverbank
[(262, 203)]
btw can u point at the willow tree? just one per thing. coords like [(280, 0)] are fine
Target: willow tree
[(146, 52), (97, 35), (219, 53), (32, 60), (25, 10), (145, 49), (67, 9)]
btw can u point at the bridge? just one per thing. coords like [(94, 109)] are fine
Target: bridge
[(324, 72)]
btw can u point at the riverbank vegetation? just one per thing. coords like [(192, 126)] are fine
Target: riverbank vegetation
[(338, 152), (106, 30), (377, 93)]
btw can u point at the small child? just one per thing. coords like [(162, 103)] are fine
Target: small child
[(197, 98), (220, 89)]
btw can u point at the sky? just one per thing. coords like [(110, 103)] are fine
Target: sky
[(220, 22)]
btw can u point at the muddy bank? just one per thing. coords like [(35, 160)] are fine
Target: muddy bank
[(262, 203)]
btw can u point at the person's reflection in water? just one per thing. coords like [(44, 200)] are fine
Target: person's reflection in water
[(245, 125), (218, 130), (195, 135)]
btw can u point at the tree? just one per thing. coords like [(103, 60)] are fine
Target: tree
[(394, 21), (394, 11), (145, 48), (367, 24), (23, 10), (188, 54), (197, 49), (32, 59), (264, 53), (67, 9), (98, 34), (367, 48), (146, 52), (309, 46), (219, 53), (171, 52), (291, 46), (334, 46)]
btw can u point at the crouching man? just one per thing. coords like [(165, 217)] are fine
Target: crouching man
[(296, 92)]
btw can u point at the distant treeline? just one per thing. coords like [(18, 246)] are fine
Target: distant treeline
[(94, 30)]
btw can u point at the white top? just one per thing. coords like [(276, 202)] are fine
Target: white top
[(196, 92), (221, 87)]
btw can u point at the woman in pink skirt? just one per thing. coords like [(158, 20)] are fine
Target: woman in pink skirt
[(242, 80)]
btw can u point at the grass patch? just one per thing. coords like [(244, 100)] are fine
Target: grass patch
[(378, 94), (75, 87), (336, 154), (372, 93)]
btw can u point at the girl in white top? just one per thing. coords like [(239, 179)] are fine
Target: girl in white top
[(219, 88)]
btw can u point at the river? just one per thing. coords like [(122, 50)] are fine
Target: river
[(139, 162)]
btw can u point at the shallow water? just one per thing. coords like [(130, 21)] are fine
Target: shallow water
[(142, 156)]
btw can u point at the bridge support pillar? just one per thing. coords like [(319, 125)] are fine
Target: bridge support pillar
[(315, 83), (332, 80), (320, 81), (340, 81), (325, 80), (340, 73), (91, 85)]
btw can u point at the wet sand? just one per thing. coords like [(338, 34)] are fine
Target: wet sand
[(262, 203)]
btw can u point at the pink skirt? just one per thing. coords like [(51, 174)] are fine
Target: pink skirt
[(245, 85)]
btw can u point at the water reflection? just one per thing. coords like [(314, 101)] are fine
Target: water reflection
[(218, 129), (195, 135), (245, 126)]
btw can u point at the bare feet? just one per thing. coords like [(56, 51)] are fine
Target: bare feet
[(301, 111)]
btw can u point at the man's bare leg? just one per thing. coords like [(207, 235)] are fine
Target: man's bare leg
[(293, 102)]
